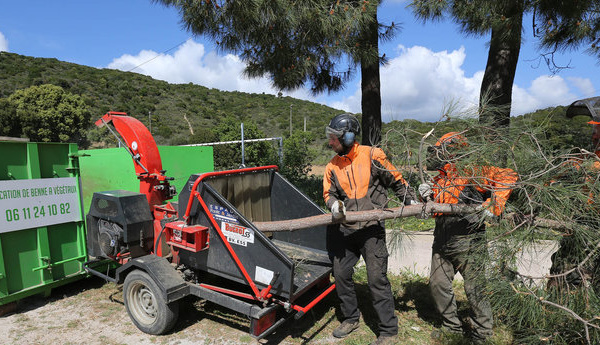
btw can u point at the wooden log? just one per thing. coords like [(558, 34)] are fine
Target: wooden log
[(422, 210), (425, 210)]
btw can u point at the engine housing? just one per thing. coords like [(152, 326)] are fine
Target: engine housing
[(119, 221)]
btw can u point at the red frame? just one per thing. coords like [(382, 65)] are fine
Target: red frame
[(193, 237), (148, 168), (258, 295)]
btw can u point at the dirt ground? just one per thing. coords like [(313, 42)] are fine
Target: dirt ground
[(91, 311)]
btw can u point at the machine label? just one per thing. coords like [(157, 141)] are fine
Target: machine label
[(26, 204), (233, 231), (222, 213), (237, 234)]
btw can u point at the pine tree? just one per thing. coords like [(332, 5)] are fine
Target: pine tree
[(569, 25), (313, 43), (554, 203), (503, 21), (558, 24)]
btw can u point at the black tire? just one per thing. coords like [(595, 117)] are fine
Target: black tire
[(146, 305)]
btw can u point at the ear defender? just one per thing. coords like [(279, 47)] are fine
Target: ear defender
[(348, 139)]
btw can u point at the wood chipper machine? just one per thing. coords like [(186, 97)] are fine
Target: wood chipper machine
[(205, 244)]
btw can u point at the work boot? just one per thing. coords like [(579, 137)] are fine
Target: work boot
[(385, 340), (441, 333), (475, 340), (345, 328)]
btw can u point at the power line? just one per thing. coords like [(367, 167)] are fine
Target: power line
[(157, 55)]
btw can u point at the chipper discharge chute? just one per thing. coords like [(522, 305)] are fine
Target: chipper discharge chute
[(206, 243)]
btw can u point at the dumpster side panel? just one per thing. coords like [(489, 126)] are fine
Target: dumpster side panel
[(51, 253), (112, 169), (21, 258)]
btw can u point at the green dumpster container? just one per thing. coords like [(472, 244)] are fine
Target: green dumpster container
[(42, 230), (112, 168), (45, 190)]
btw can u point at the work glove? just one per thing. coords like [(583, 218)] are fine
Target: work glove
[(489, 217), (488, 214), (484, 215), (426, 191), (338, 210)]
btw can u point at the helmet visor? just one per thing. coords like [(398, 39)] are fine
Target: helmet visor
[(330, 131)]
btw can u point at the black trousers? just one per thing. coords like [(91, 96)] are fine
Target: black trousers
[(346, 250)]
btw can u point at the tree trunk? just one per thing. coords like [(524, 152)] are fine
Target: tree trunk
[(422, 210), (496, 88), (371, 88)]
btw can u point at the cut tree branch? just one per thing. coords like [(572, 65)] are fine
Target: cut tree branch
[(425, 209), (422, 210)]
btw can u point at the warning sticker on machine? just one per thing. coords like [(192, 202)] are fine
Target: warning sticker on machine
[(237, 234), (233, 231), (222, 213)]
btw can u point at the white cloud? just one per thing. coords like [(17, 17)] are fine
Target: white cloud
[(3, 43), (420, 83), (192, 64), (584, 85), (545, 91)]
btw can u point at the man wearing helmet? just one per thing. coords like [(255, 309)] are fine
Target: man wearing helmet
[(356, 179), (458, 238)]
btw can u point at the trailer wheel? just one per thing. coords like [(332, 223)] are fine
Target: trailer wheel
[(146, 305)]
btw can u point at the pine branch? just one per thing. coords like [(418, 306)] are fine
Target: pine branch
[(586, 323)]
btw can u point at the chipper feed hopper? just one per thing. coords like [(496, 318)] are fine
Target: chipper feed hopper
[(206, 244)]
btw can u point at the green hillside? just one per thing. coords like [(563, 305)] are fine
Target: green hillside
[(139, 96), (172, 109)]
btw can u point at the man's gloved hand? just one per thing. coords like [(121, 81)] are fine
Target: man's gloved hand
[(489, 217), (426, 191), (488, 214), (338, 210)]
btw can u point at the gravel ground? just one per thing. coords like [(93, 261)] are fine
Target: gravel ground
[(91, 311)]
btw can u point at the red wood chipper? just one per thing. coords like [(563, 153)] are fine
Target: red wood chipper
[(205, 244)]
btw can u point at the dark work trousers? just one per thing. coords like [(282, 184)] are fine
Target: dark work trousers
[(456, 243), (346, 250)]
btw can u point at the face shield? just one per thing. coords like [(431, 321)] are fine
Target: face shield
[(330, 131), (433, 160)]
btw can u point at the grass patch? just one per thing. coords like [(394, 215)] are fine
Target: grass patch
[(411, 224)]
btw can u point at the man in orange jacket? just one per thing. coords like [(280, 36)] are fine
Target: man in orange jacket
[(459, 238), (356, 179)]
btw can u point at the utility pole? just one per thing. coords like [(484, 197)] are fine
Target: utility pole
[(291, 105), (150, 122), (305, 123), (243, 150)]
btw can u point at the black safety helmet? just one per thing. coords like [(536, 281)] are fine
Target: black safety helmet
[(344, 126)]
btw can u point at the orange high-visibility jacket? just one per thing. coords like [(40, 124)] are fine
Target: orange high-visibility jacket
[(494, 183), (360, 179)]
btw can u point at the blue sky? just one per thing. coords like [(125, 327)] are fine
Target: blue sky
[(431, 65)]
